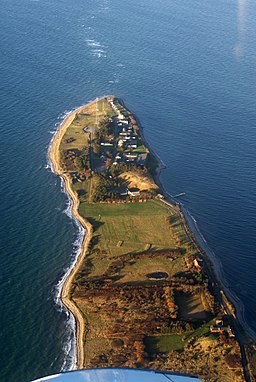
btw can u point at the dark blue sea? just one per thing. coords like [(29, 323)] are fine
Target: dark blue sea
[(187, 69)]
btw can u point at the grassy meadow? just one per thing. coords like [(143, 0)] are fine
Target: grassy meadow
[(130, 228), (87, 118)]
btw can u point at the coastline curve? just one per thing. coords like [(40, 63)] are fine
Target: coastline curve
[(53, 155)]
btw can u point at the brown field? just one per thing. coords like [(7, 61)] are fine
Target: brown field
[(141, 182)]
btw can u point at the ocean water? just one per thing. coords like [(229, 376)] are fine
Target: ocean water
[(187, 69)]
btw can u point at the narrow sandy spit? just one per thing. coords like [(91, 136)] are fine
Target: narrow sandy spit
[(54, 157)]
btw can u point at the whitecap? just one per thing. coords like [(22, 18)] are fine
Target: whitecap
[(97, 49), (69, 349), (70, 352)]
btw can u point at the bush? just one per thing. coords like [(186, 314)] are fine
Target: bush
[(233, 361), (117, 342)]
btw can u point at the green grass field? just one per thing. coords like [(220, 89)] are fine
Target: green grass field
[(164, 344), (140, 149), (138, 270), (120, 229), (135, 224), (88, 119), (171, 342)]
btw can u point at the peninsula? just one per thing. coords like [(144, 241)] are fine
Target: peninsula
[(142, 292)]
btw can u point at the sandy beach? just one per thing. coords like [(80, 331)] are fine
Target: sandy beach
[(65, 293)]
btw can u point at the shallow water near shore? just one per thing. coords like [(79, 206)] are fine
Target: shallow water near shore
[(187, 70)]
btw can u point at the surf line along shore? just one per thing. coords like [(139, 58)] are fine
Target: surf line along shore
[(54, 156), (60, 169)]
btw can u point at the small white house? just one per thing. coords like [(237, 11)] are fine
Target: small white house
[(132, 146), (134, 191), (106, 144)]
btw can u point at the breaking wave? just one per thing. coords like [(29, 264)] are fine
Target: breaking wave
[(69, 349)]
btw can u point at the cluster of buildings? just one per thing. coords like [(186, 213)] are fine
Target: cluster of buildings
[(219, 327), (194, 261), (127, 141), (125, 191)]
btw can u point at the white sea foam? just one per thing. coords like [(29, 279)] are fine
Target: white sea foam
[(70, 352), (115, 79), (69, 349), (93, 43), (97, 49)]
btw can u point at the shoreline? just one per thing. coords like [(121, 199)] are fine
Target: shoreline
[(217, 269), (214, 263), (194, 232), (53, 155)]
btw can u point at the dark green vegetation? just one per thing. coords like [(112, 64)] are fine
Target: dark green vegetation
[(164, 343)]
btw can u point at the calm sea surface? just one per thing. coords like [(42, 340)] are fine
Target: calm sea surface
[(187, 69)]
